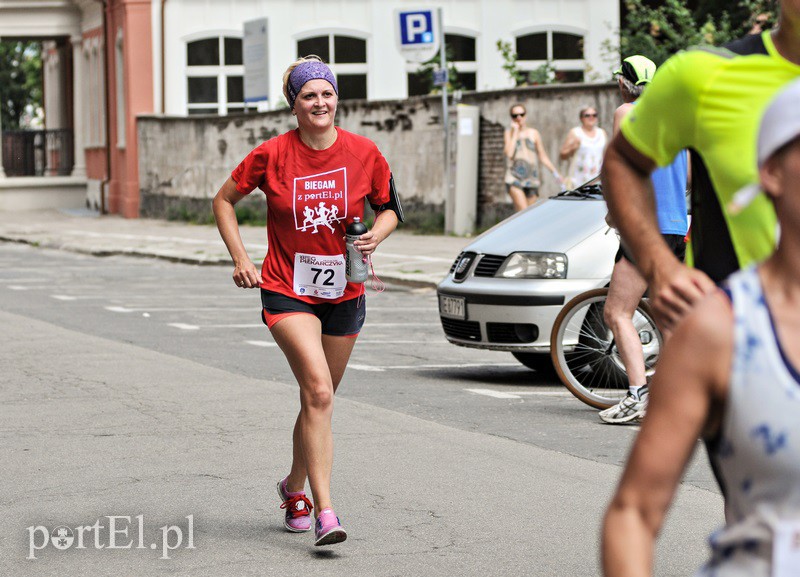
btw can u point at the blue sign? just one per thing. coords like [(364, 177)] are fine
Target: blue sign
[(418, 33), (416, 28)]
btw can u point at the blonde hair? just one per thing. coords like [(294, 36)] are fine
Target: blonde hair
[(292, 66), (520, 105)]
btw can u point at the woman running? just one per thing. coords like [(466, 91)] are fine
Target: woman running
[(315, 179)]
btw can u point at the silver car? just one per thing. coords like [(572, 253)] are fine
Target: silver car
[(506, 288)]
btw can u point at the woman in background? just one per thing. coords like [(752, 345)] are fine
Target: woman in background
[(524, 151), (584, 146)]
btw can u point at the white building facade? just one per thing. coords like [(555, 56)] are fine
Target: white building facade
[(202, 53), (108, 61)]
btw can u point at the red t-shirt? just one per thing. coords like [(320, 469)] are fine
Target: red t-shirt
[(311, 197)]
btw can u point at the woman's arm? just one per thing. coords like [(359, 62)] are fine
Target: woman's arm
[(687, 391), (385, 223), (245, 274), (510, 138), (571, 144)]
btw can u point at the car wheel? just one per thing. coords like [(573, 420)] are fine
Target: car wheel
[(540, 362)]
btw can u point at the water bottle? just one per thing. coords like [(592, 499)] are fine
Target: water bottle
[(355, 267)]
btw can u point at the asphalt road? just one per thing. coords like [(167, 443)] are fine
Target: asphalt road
[(488, 467)]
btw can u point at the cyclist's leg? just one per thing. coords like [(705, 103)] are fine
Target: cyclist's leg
[(624, 293)]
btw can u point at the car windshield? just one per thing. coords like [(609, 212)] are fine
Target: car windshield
[(591, 189)]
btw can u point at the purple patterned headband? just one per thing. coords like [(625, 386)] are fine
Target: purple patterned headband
[(305, 71)]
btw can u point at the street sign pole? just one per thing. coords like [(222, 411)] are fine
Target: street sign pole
[(448, 221), (418, 31)]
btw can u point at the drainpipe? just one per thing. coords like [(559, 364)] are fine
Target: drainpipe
[(163, 58), (107, 115)]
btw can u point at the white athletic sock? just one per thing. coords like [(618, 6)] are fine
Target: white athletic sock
[(635, 391)]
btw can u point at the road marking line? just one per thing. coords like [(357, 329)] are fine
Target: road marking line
[(517, 394), (262, 343), (413, 367), (63, 297), (494, 394), (119, 309), (183, 326), (546, 393), (369, 368)]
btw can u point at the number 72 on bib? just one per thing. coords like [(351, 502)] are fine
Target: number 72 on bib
[(321, 276)]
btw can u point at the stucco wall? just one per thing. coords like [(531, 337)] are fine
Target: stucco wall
[(183, 161)]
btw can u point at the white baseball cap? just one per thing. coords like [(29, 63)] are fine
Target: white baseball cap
[(780, 123)]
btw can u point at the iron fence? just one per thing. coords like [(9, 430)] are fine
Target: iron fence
[(38, 152)]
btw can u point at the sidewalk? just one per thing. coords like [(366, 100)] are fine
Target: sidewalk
[(421, 260)]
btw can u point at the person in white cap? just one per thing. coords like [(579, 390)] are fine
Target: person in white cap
[(731, 375)]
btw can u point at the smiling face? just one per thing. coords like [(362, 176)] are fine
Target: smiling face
[(315, 106)]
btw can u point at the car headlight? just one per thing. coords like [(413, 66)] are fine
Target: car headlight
[(534, 265)]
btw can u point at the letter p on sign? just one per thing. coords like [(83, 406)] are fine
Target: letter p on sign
[(418, 28)]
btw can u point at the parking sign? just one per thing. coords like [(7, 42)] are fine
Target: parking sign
[(417, 33)]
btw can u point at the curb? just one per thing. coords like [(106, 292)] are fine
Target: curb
[(212, 261)]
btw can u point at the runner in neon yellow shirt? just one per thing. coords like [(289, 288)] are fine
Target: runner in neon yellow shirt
[(710, 101)]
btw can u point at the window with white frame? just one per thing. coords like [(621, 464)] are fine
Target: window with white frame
[(347, 58), (214, 75), (461, 50), (562, 48)]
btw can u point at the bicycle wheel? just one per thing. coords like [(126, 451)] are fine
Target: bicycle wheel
[(585, 355)]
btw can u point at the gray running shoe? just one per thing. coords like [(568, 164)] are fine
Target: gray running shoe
[(629, 410)]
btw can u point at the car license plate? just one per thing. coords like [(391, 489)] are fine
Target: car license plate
[(452, 307)]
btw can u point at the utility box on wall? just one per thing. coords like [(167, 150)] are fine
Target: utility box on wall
[(462, 198)]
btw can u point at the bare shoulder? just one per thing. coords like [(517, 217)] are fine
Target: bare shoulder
[(623, 109), (706, 335)]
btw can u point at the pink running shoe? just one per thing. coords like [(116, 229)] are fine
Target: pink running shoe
[(298, 509), (329, 530)]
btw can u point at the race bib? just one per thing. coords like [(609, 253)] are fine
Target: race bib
[(319, 276), (786, 551)]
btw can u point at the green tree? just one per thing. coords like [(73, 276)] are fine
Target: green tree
[(544, 74), (510, 63), (20, 80), (660, 29)]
